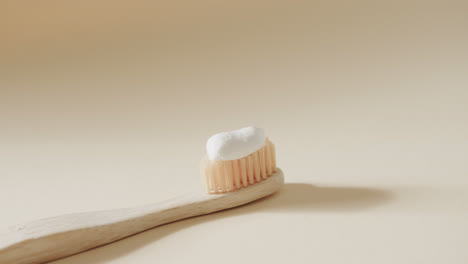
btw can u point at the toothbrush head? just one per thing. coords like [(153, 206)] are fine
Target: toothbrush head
[(237, 159)]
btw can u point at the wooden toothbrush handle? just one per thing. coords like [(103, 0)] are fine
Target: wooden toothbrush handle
[(57, 237), (53, 238)]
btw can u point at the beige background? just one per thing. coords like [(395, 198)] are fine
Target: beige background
[(107, 104)]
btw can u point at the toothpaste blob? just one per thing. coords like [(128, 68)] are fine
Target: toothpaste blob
[(235, 144)]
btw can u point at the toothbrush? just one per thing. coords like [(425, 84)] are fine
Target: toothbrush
[(240, 167)]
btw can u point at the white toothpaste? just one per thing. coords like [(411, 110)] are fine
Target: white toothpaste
[(235, 144)]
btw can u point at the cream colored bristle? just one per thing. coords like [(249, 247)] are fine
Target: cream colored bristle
[(250, 169), (222, 176)]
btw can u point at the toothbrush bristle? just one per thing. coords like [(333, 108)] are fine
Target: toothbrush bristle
[(221, 176)]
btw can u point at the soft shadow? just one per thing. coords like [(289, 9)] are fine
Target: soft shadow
[(293, 197), (311, 198)]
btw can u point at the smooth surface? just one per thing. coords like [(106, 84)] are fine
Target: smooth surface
[(109, 104)]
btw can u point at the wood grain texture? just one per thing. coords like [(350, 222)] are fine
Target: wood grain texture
[(57, 237)]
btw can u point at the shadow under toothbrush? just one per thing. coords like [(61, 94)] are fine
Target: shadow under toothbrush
[(293, 197)]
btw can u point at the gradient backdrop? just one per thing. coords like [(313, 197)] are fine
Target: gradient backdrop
[(108, 104)]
